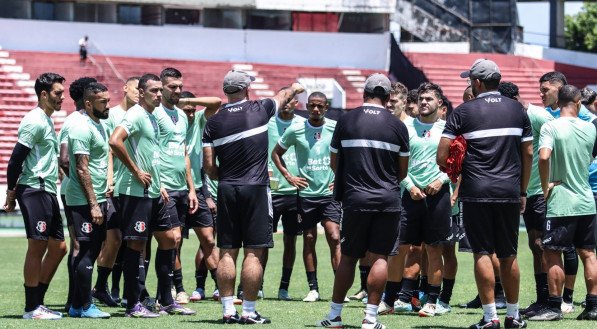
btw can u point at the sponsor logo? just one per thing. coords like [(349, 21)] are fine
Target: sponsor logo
[(89, 267), (493, 100), (86, 228), (234, 109), (41, 226), (140, 226), (371, 111)]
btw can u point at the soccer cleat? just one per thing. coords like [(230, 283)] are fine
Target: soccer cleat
[(140, 311), (92, 312), (532, 309), (41, 313), (384, 308), (103, 297), (66, 307), (177, 309), (151, 304), (51, 311), (231, 319), (330, 323), (546, 314), (254, 319), (372, 325), (475, 303), (347, 300), (123, 303), (197, 295), (493, 324), (402, 307), (312, 296), (115, 295), (216, 295), (511, 322), (182, 298), (359, 295), (283, 295), (567, 308), (364, 300), (423, 298), (442, 308), (588, 314), (427, 311), (75, 312), (500, 302), (260, 294)]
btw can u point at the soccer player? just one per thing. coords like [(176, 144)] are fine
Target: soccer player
[(427, 193), (75, 90), (369, 155), (202, 220), (412, 107), (311, 141), (32, 173), (565, 148), (492, 189), (589, 99), (237, 137), (86, 194), (468, 94), (110, 258), (397, 102), (284, 194)]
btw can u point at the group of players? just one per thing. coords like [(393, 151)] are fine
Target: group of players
[(385, 180)]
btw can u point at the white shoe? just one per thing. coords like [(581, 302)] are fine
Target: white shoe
[(330, 323), (41, 313), (260, 294), (384, 308), (312, 296), (427, 311), (567, 308), (442, 308), (359, 295), (346, 300), (372, 325)]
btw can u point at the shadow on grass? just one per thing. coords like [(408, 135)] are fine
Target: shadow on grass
[(210, 321), (345, 326), (11, 317), (435, 326)]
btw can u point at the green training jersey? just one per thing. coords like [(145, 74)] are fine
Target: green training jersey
[(571, 141), (275, 128), (423, 139), (116, 115), (212, 186), (173, 125), (87, 137), (537, 116), (63, 139), (36, 131), (144, 149), (195, 146), (312, 147)]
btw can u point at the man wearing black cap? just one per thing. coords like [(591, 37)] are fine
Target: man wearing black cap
[(492, 189), (237, 137), (369, 154)]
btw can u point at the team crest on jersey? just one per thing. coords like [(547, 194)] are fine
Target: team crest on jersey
[(174, 118), (317, 135), (86, 228), (426, 134), (41, 226), (140, 226)]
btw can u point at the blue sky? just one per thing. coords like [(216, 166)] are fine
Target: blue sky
[(534, 17)]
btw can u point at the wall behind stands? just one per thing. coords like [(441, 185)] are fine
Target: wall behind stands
[(352, 50)]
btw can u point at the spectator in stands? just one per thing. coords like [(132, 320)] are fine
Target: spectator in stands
[(412, 107), (83, 43), (589, 99)]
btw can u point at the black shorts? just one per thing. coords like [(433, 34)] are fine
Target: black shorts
[(41, 213), (402, 214), (463, 244), (137, 214), (562, 233), (285, 208), (534, 213), (316, 209), (492, 227), (455, 231), (244, 217), (201, 218), (69, 219), (362, 231), (85, 229), (428, 220), (172, 213), (112, 214)]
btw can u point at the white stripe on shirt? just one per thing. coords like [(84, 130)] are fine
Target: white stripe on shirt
[(370, 143), (240, 135), (493, 133)]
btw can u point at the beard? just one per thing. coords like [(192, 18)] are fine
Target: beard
[(100, 115)]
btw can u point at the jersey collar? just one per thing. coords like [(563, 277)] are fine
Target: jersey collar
[(234, 104), (373, 105)]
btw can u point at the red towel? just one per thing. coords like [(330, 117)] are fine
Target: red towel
[(455, 159)]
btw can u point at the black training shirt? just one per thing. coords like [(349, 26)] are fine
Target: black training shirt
[(494, 127), (368, 141), (238, 134)]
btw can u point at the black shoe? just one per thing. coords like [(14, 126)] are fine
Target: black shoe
[(103, 297), (115, 296), (546, 314), (500, 302), (514, 323), (588, 314), (534, 307), (475, 303), (257, 319), (66, 307), (494, 324), (231, 319)]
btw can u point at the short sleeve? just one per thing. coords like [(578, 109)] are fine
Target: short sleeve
[(453, 125), (29, 133), (403, 140), (207, 135), (288, 139), (527, 130), (130, 122), (270, 105), (79, 139), (546, 137), (63, 135), (336, 137)]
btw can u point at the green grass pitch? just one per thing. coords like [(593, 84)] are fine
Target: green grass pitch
[(294, 314)]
